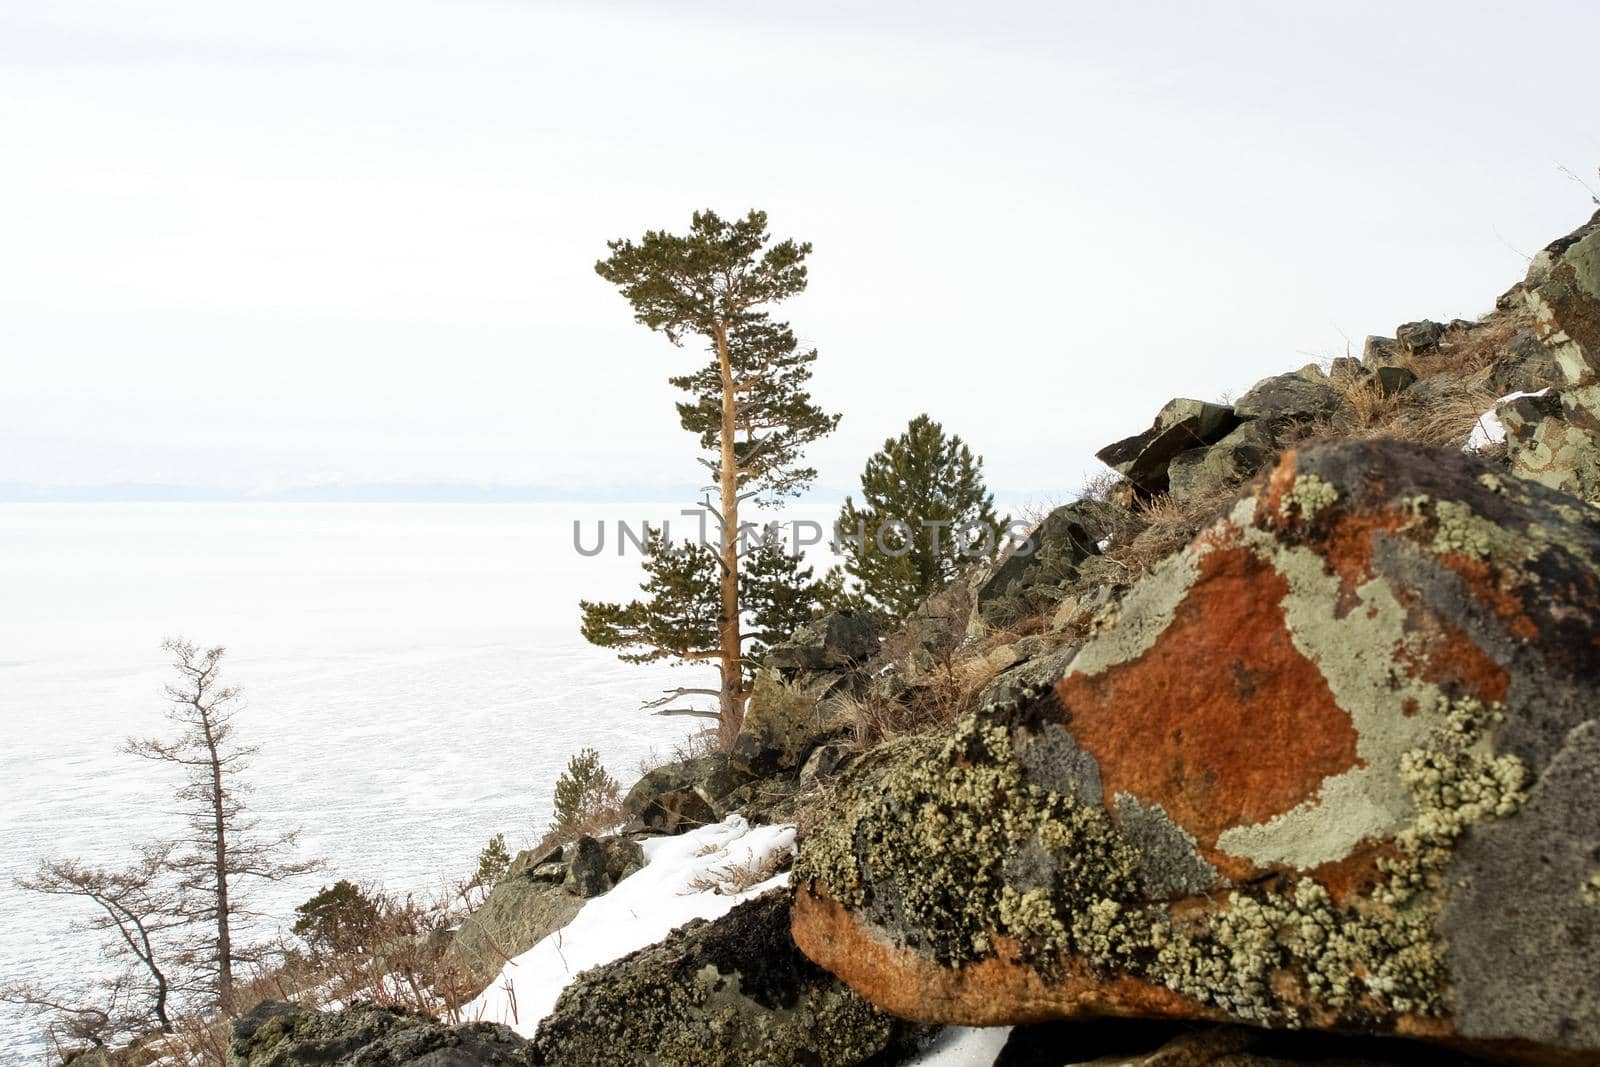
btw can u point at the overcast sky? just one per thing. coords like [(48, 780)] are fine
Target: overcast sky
[(257, 246)]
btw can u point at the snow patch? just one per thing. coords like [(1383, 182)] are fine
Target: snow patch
[(963, 1046), (670, 890), (1490, 430)]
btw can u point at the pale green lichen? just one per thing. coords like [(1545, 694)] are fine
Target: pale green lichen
[(924, 851), (1310, 495)]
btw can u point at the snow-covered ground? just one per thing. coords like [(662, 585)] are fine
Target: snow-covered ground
[(643, 908)]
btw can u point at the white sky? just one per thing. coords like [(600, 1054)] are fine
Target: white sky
[(263, 245)]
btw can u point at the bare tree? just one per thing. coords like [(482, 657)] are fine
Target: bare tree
[(224, 847), (138, 907)]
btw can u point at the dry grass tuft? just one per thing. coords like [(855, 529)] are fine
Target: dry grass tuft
[(736, 878)]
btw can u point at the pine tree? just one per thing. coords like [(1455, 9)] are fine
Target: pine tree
[(748, 405), (923, 498), (585, 796), (678, 618)]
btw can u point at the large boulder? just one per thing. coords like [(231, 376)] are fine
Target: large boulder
[(521, 910), (1181, 425), (784, 720), (1334, 767), (281, 1035), (684, 795), (1237, 456), (1554, 438), (719, 994), (1562, 290)]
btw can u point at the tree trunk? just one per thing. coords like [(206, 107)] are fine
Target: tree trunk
[(731, 701), (220, 858)]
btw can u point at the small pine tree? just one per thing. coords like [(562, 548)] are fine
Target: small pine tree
[(586, 797), (339, 919), (933, 485), (493, 862)]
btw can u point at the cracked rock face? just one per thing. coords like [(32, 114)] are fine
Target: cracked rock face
[(1329, 769)]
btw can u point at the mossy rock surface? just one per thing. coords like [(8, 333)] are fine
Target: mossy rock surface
[(720, 994), (281, 1035), (1324, 769)]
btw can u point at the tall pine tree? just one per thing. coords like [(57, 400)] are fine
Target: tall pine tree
[(748, 405), (924, 512)]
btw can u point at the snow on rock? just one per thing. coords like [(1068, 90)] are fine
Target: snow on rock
[(1490, 430), (684, 877), (963, 1046)]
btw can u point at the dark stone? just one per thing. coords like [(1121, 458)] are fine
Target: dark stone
[(369, 1036), (1525, 366), (1395, 380), (1237, 456), (1347, 368), (1287, 398), (837, 641), (720, 994), (1419, 337), (1023, 583), (586, 868), (1181, 425), (682, 796)]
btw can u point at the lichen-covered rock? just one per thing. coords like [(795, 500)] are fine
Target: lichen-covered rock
[(681, 796), (1239, 455), (1181, 425), (719, 994), (521, 910), (1554, 439), (784, 720), (837, 641), (281, 1035), (1291, 786), (1562, 290)]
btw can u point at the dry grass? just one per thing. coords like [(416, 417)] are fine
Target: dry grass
[(736, 878)]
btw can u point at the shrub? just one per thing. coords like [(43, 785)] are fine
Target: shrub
[(587, 800), (339, 919)]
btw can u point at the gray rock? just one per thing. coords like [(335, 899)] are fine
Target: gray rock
[(1525, 366), (1287, 398), (835, 642), (281, 1035), (682, 796), (1027, 582), (1380, 352), (1237, 456), (1554, 439), (1419, 337), (1395, 380), (1181, 425)]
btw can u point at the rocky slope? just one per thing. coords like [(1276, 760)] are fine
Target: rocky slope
[(1283, 749)]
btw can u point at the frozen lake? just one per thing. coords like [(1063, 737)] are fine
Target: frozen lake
[(412, 674)]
